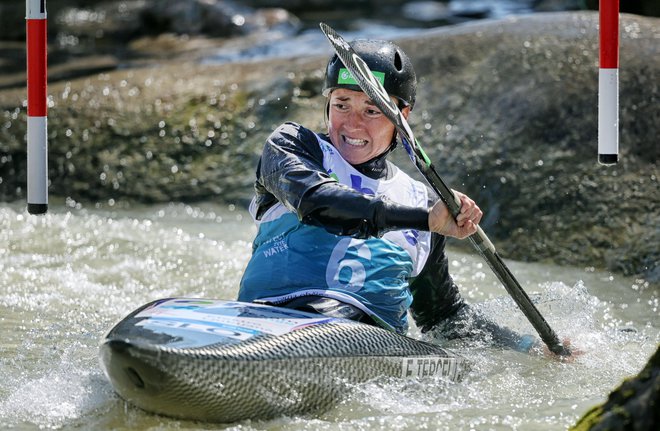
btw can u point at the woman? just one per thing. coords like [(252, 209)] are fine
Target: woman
[(344, 232)]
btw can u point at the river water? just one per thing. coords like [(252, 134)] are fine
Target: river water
[(68, 276)]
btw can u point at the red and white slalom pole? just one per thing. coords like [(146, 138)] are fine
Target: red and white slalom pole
[(608, 83), (37, 138)]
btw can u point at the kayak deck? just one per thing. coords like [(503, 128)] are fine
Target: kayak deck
[(225, 361)]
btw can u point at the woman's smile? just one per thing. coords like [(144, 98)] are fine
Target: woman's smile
[(355, 142)]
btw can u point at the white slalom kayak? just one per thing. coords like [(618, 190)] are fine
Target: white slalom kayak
[(225, 361)]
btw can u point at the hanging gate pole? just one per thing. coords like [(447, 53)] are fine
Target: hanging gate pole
[(608, 83), (37, 138)]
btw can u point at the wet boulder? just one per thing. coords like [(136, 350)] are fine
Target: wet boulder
[(635, 405), (87, 37), (507, 111)]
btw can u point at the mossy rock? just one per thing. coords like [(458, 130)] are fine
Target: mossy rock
[(635, 405)]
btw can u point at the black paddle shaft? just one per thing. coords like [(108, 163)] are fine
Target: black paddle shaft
[(374, 89)]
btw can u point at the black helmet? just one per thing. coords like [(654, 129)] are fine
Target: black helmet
[(386, 60)]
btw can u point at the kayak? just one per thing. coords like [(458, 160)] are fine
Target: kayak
[(226, 361)]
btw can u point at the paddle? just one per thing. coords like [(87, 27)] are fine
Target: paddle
[(374, 89)]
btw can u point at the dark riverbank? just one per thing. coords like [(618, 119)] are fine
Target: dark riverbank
[(91, 36)]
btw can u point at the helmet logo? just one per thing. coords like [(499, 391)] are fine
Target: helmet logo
[(344, 77)]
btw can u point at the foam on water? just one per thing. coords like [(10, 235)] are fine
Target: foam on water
[(67, 277), (511, 390), (59, 395)]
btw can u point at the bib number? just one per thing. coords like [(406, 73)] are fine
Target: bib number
[(348, 272)]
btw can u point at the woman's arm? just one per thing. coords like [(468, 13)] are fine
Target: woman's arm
[(291, 171)]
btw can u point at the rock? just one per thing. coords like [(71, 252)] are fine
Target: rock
[(634, 406), (215, 18), (110, 28), (506, 109)]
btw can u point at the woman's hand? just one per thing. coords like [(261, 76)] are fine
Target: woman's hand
[(543, 350), (442, 222)]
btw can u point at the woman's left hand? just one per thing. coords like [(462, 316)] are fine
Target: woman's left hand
[(442, 222)]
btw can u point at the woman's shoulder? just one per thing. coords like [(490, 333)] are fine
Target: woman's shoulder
[(293, 138), (292, 129)]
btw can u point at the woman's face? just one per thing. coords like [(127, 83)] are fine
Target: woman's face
[(357, 128)]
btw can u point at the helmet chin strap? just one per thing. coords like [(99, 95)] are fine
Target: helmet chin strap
[(326, 112)]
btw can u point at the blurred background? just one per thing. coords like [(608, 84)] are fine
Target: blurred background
[(87, 36), (158, 101)]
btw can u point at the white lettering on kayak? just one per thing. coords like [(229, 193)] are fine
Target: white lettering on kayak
[(427, 367)]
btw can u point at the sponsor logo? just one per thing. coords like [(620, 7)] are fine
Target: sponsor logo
[(275, 245), (345, 77), (411, 236), (333, 175), (356, 184), (210, 328), (276, 248), (426, 367)]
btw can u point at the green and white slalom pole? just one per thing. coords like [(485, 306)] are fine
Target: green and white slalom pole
[(608, 83), (37, 138)]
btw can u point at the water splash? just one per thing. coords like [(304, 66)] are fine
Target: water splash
[(512, 390), (66, 277)]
